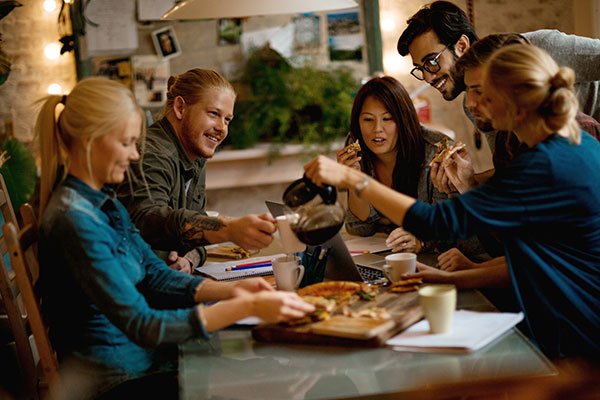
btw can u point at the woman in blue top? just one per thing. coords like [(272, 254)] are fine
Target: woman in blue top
[(114, 308), (545, 204)]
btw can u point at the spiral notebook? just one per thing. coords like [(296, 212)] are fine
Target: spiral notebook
[(238, 269)]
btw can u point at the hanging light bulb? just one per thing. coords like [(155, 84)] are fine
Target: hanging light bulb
[(388, 24), (55, 88), (52, 51), (49, 5)]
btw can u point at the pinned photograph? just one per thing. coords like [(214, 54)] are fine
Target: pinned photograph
[(345, 36), (165, 42), (150, 77)]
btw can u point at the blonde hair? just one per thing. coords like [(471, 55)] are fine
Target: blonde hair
[(94, 108), (192, 85), (530, 80)]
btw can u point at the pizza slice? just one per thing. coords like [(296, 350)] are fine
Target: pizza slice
[(354, 146), (445, 150), (406, 285)]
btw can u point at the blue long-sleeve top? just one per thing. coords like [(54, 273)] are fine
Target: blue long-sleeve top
[(546, 206), (107, 297)]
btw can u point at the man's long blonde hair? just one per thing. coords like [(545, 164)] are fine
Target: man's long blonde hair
[(94, 108), (529, 79)]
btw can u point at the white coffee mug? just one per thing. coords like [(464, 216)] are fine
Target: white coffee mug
[(288, 272), (398, 264), (289, 240), (438, 303)]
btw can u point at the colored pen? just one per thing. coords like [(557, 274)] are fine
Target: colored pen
[(252, 263), (238, 268), (359, 252)]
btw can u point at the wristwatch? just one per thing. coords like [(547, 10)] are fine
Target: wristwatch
[(362, 185)]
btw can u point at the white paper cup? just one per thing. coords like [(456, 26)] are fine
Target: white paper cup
[(438, 303), (398, 264), (289, 241), (288, 272)]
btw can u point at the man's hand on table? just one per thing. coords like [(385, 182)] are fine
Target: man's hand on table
[(177, 263), (400, 240)]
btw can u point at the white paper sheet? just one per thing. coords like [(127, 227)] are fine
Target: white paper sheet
[(117, 27), (218, 270), (470, 331)]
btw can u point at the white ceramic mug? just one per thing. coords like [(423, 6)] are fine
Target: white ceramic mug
[(289, 241), (398, 264), (288, 272), (438, 303)]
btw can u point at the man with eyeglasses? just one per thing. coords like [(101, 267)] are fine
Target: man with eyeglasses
[(440, 33)]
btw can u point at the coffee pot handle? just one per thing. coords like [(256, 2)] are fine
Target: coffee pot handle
[(327, 192)]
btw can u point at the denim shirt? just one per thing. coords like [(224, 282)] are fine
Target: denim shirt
[(108, 298)]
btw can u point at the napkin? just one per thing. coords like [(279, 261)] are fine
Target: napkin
[(470, 331)]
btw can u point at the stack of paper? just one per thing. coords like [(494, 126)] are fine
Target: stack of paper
[(239, 269), (470, 331)]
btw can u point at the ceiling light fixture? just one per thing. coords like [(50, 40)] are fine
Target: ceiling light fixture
[(205, 9)]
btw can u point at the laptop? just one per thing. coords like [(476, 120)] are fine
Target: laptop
[(341, 266)]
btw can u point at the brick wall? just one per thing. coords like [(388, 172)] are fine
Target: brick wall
[(25, 33)]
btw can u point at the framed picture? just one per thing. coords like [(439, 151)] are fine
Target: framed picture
[(165, 42)]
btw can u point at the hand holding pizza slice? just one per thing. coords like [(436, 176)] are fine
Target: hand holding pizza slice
[(445, 151)]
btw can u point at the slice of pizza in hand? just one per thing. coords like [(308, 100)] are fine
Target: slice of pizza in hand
[(445, 150), (355, 147)]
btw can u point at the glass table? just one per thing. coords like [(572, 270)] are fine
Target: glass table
[(233, 366)]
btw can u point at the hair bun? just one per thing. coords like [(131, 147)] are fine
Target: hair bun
[(564, 78)]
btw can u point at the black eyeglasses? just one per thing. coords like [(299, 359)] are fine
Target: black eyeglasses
[(431, 65)]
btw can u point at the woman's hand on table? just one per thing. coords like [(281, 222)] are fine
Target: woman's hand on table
[(429, 274), (279, 306), (401, 241), (250, 285), (454, 260)]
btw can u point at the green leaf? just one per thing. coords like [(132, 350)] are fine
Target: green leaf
[(19, 172)]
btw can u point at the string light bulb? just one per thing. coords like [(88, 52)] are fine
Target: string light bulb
[(52, 51), (55, 88), (49, 5)]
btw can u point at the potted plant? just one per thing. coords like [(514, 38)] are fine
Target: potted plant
[(282, 104)]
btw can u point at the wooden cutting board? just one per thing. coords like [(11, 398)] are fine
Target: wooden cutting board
[(403, 307), (228, 251)]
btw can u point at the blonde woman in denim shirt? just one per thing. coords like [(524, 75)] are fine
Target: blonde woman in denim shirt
[(114, 308)]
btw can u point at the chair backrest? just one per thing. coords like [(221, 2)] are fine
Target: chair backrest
[(21, 245), (13, 308), (8, 214)]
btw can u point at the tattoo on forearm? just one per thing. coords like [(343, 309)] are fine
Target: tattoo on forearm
[(193, 230)]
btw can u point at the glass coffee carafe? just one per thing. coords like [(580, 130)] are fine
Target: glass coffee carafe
[(314, 219)]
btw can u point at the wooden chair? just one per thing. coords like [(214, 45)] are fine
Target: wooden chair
[(22, 247)]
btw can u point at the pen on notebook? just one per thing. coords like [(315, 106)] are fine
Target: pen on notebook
[(240, 267)]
